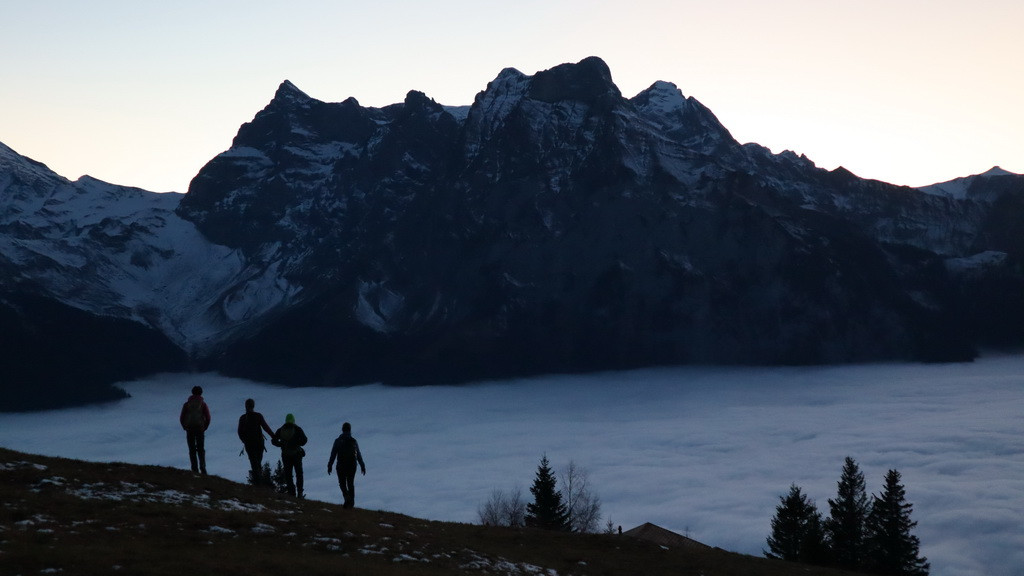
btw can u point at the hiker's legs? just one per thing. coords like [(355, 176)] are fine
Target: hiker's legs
[(347, 480), (201, 451), (298, 477), (190, 439), (351, 481), (255, 454), (289, 466), (344, 489)]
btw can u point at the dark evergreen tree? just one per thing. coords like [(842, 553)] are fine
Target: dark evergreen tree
[(264, 479), (280, 479), (547, 509), (797, 533), (848, 513), (891, 548)]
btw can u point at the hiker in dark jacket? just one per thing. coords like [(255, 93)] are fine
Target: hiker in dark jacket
[(195, 419), (346, 451), (290, 438), (250, 431)]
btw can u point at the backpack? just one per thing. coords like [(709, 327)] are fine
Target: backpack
[(194, 414), (286, 433), (251, 429), (347, 451), (291, 438)]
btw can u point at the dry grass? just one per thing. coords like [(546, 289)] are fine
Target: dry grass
[(64, 516)]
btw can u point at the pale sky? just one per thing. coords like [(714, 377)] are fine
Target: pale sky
[(144, 93)]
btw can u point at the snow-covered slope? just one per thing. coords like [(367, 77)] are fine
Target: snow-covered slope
[(124, 252), (959, 188)]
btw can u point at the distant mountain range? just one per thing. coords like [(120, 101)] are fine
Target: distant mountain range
[(552, 226)]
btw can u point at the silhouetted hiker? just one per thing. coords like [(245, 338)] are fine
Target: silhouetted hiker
[(195, 419), (250, 431), (291, 439), (346, 450)]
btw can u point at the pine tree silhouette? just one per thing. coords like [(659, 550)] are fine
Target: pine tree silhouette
[(547, 510), (280, 479), (891, 548), (844, 528), (797, 534), (265, 478)]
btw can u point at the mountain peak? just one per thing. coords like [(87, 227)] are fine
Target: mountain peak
[(288, 92), (685, 119), (959, 188), (997, 171), (661, 96), (588, 81), (665, 87), (11, 162), (417, 98), (509, 74)]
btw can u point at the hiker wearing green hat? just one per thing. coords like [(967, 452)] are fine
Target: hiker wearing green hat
[(290, 438)]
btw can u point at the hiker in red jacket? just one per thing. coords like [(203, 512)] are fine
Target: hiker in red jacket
[(195, 419), (251, 426)]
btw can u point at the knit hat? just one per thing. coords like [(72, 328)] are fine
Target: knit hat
[(289, 419)]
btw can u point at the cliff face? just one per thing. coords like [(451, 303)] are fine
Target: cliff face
[(555, 225), (559, 226)]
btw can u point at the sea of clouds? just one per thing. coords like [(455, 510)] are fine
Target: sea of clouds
[(702, 451)]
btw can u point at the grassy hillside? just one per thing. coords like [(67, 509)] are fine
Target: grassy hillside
[(66, 517)]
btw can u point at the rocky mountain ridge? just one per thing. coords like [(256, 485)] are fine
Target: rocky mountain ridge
[(553, 226)]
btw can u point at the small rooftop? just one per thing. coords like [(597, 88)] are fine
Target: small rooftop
[(663, 537)]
